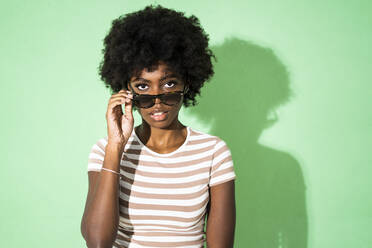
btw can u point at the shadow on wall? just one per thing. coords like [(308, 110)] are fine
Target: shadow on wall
[(249, 84)]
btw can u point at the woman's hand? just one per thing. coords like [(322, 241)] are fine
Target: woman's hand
[(119, 126)]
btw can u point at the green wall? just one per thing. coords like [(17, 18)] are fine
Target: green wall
[(291, 96)]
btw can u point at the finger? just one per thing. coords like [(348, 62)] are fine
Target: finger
[(122, 95), (121, 91), (120, 100), (115, 103)]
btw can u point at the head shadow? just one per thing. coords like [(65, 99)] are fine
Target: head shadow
[(250, 83)]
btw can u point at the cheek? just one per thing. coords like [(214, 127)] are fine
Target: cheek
[(142, 113)]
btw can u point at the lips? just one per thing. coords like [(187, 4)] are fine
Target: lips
[(159, 117), (158, 111)]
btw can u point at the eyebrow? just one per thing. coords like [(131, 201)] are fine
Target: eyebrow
[(161, 79)]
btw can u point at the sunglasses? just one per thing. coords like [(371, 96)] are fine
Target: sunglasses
[(147, 101)]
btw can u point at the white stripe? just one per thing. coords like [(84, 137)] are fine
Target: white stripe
[(161, 213), (165, 170), (169, 160), (94, 167), (201, 137), (171, 202), (220, 157), (138, 232), (124, 224), (183, 190), (164, 213), (215, 180), (102, 142), (200, 146), (96, 156), (163, 222), (139, 178), (223, 166), (167, 238)]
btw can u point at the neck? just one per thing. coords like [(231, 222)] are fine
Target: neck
[(162, 137)]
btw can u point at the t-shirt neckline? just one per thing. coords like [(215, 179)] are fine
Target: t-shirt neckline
[(163, 154)]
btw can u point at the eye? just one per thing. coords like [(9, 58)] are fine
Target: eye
[(138, 86), (173, 83)]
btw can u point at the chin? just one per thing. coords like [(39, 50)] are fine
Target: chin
[(159, 124)]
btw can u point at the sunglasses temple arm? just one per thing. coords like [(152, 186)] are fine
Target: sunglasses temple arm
[(131, 89)]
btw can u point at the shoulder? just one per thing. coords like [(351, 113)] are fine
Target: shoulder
[(219, 144), (196, 134), (101, 143), (97, 154)]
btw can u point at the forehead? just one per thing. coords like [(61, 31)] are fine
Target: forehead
[(160, 72)]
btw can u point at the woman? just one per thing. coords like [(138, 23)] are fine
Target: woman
[(153, 185)]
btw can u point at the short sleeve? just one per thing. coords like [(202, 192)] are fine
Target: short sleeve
[(96, 155), (222, 169)]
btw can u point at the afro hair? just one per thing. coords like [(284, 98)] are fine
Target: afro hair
[(141, 39)]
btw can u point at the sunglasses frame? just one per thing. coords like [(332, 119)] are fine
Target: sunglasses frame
[(153, 97)]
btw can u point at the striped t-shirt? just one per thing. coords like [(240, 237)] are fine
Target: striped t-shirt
[(163, 197)]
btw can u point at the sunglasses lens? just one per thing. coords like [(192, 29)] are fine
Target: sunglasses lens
[(148, 101), (143, 101), (171, 99)]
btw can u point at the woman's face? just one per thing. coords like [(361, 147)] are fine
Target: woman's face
[(162, 80)]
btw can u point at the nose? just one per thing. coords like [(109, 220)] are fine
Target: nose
[(157, 100)]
